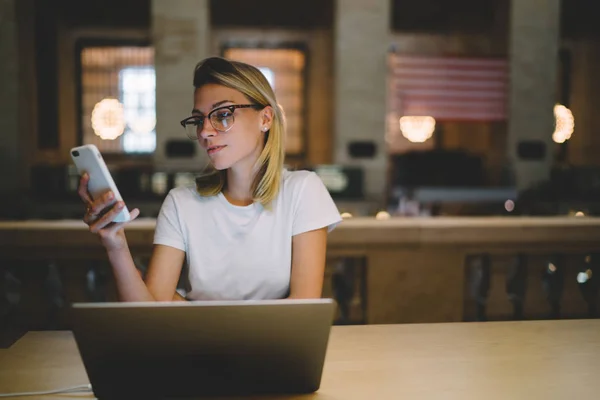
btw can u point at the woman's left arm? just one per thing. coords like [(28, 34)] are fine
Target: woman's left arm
[(308, 264)]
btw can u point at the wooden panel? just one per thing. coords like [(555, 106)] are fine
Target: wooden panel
[(412, 286)]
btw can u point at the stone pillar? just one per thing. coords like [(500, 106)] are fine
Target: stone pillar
[(533, 55), (180, 31), (361, 43), (9, 101)]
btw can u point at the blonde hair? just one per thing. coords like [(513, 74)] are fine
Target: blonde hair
[(252, 83)]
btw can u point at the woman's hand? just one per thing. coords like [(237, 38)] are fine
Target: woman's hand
[(100, 213)]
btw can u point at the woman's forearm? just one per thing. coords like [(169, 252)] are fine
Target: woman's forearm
[(129, 282)]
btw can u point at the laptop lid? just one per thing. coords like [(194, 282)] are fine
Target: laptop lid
[(195, 349)]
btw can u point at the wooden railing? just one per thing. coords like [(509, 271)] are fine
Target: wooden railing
[(400, 270)]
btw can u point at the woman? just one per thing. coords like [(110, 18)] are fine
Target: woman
[(249, 229)]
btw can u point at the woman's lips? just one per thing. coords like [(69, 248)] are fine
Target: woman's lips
[(214, 149)]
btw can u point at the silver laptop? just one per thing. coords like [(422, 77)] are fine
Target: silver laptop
[(197, 349)]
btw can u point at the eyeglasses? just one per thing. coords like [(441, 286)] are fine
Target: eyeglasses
[(220, 118)]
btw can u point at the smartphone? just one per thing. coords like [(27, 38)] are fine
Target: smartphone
[(88, 159)]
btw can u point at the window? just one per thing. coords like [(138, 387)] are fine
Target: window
[(268, 73), (285, 69), (118, 98), (424, 91), (137, 91)]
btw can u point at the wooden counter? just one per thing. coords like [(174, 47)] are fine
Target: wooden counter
[(415, 267), (540, 232), (494, 360)]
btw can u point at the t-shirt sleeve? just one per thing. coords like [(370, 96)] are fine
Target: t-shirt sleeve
[(315, 208), (168, 228)]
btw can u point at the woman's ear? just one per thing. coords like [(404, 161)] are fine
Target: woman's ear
[(266, 119)]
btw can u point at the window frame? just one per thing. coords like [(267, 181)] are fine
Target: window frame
[(82, 43), (283, 45)]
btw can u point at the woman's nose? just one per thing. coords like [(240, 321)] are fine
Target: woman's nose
[(207, 130)]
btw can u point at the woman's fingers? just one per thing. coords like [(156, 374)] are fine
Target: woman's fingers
[(101, 205), (112, 229), (107, 217), (82, 189)]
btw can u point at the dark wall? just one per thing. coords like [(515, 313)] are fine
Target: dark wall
[(578, 19), (444, 16), (272, 13), (105, 13)]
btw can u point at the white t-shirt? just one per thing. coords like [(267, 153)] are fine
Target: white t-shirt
[(240, 253)]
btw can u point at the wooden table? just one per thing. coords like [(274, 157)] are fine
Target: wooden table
[(493, 360), (415, 266)]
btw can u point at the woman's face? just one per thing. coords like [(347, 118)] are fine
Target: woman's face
[(242, 143)]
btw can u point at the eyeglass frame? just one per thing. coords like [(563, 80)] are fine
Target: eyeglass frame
[(231, 107)]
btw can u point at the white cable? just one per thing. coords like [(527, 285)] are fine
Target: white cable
[(79, 388)]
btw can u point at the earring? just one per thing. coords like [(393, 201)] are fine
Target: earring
[(264, 129)]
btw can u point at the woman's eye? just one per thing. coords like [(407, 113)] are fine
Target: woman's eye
[(221, 115)]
